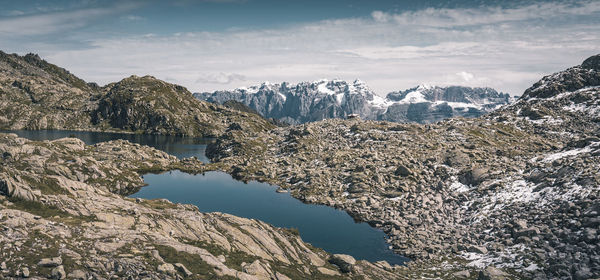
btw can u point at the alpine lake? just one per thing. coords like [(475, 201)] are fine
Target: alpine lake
[(322, 226)]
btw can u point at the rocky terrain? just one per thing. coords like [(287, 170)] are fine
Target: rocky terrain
[(511, 194), (35, 94), (315, 101), (62, 215)]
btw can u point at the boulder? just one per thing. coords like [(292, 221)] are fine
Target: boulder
[(402, 171), (478, 249), (492, 273), (166, 268), (58, 273), (255, 268), (24, 272), (77, 275), (592, 62), (327, 271), (344, 262), (281, 276), (181, 268), (463, 274), (50, 262)]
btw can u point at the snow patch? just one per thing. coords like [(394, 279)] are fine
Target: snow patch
[(413, 97), (456, 105), (380, 102), (282, 96), (322, 88), (459, 187), (570, 153)]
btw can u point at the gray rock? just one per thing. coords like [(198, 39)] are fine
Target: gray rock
[(344, 262), (463, 274), (181, 268), (157, 256), (58, 272), (478, 249), (492, 273), (592, 62), (77, 275), (166, 268), (583, 273), (50, 262), (402, 171), (24, 272)]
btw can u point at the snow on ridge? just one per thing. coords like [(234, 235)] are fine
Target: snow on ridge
[(282, 96), (322, 88), (249, 90), (569, 153), (342, 87), (413, 97), (380, 102)]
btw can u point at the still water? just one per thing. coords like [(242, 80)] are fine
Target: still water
[(180, 147), (322, 226), (325, 227)]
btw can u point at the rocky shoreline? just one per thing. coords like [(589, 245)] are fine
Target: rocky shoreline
[(516, 191), (63, 216), (512, 194)]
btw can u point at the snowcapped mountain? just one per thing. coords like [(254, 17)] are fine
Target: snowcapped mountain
[(323, 99), (427, 104)]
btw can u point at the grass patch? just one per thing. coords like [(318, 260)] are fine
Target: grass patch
[(48, 211), (46, 185), (37, 208), (158, 204), (193, 262)]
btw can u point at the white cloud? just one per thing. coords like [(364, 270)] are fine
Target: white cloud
[(507, 49), (466, 76), (488, 15), (220, 78), (132, 18), (53, 22), (16, 13)]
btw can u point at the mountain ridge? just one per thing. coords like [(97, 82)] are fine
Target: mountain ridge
[(36, 94), (322, 99), (511, 194)]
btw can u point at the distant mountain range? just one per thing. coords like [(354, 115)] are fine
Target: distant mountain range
[(324, 99)]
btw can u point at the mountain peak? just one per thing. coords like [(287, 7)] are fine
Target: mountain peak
[(324, 98), (585, 75), (592, 62)]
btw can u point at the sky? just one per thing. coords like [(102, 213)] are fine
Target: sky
[(208, 45)]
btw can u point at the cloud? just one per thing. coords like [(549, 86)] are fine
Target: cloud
[(132, 18), (466, 76), (16, 13), (488, 15), (54, 22), (220, 78), (507, 49)]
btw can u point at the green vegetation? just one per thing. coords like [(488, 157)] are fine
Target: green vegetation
[(193, 262), (46, 185)]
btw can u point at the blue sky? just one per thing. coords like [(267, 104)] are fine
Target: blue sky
[(223, 44)]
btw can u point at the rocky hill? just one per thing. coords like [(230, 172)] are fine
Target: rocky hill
[(512, 194), (62, 216), (35, 94), (314, 101)]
